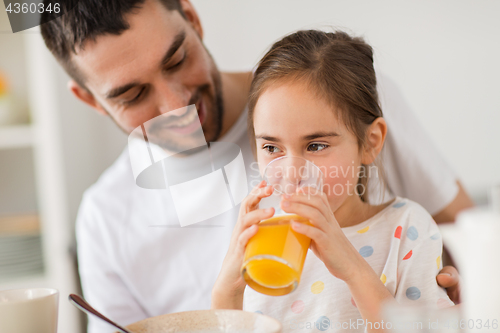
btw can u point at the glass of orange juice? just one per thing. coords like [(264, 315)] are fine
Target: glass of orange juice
[(275, 255)]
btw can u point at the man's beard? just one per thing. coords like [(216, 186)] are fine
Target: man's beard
[(160, 134)]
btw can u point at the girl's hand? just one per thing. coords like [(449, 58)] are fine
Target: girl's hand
[(229, 286), (328, 242), (337, 253)]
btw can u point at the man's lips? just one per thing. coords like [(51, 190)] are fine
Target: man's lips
[(189, 121)]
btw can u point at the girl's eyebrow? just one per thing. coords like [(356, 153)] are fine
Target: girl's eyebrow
[(267, 138), (319, 135), (305, 138)]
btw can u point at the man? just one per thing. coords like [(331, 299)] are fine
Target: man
[(136, 60)]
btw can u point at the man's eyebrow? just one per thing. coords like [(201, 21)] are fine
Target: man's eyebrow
[(115, 92), (178, 40)]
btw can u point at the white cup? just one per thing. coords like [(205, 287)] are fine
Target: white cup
[(29, 310)]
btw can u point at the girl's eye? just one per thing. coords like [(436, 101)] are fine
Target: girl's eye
[(271, 149), (317, 147)]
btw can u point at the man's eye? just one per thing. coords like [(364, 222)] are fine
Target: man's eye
[(179, 63), (136, 98), (271, 149), (317, 147)]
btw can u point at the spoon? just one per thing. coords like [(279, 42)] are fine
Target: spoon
[(82, 304)]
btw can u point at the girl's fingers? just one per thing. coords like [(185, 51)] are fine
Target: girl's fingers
[(256, 216), (313, 214), (312, 232), (312, 194), (260, 185), (250, 218), (245, 237), (253, 199), (317, 201)]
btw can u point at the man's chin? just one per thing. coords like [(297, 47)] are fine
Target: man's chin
[(189, 145), (190, 152)]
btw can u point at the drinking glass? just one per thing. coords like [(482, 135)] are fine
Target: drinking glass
[(275, 255)]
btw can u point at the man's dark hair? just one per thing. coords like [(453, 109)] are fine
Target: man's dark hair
[(85, 20)]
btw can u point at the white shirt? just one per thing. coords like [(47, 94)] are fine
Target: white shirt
[(136, 262), (401, 243)]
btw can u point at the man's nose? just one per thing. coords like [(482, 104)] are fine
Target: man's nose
[(172, 96)]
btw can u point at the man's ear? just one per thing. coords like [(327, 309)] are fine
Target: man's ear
[(85, 96), (192, 16), (375, 138)]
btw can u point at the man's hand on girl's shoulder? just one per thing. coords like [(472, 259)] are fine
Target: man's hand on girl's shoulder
[(449, 278)]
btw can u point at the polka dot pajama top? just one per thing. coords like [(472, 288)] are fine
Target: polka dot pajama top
[(401, 243)]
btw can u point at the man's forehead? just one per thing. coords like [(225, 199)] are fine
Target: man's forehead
[(112, 60)]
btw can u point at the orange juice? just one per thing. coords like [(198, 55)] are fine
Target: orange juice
[(275, 255)]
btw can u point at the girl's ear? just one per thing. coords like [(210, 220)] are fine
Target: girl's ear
[(375, 137)]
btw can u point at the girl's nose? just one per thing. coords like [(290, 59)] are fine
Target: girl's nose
[(294, 172)]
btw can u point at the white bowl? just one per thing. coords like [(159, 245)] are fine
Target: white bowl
[(208, 321)]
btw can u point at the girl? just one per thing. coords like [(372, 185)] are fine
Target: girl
[(314, 95)]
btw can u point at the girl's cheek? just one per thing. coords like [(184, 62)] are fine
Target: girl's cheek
[(334, 187), (340, 184)]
